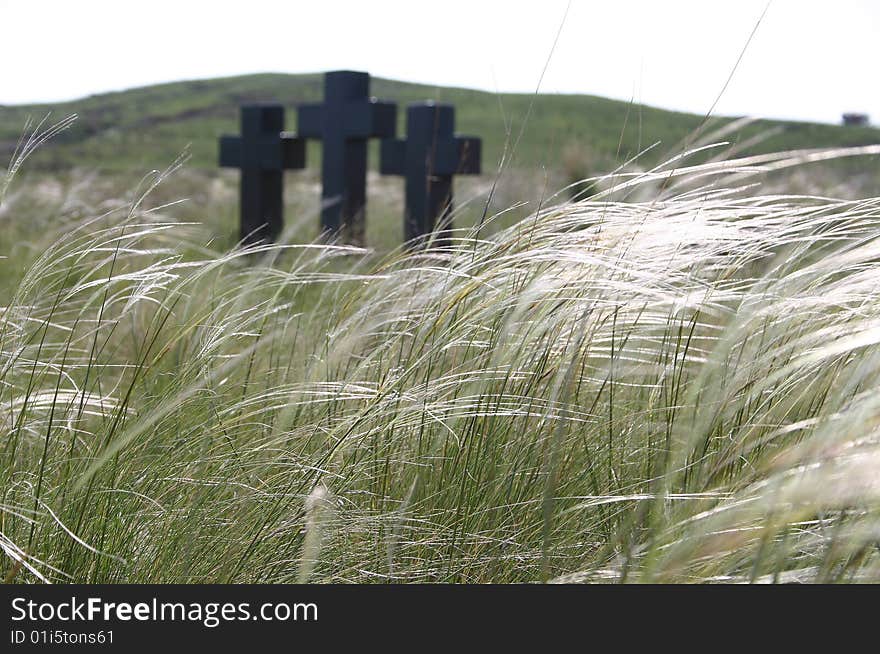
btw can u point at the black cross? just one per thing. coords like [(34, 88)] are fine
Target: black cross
[(428, 158), (346, 120), (263, 152)]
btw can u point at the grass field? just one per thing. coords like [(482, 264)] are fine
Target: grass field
[(672, 380), (540, 144)]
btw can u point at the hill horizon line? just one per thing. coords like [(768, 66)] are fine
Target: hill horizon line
[(538, 93), (584, 134)]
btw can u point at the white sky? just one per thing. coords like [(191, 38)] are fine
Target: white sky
[(810, 59)]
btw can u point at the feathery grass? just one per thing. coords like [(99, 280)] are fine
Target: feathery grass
[(674, 380)]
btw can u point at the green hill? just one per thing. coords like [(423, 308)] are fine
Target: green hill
[(148, 127)]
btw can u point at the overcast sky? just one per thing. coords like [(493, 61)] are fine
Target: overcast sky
[(809, 59)]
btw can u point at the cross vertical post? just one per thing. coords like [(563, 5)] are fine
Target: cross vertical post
[(344, 123), (428, 159), (263, 152)]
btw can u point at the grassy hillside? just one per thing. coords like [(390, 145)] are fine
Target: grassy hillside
[(148, 127)]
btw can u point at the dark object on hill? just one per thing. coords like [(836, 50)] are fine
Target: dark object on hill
[(428, 159), (344, 123), (263, 152), (860, 120)]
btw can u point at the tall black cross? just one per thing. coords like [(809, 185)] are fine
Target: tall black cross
[(428, 158), (346, 120), (263, 152)]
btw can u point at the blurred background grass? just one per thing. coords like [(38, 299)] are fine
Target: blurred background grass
[(546, 142)]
